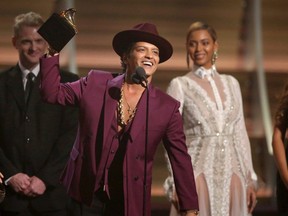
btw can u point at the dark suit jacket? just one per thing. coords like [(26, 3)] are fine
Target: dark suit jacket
[(35, 140), (97, 96)]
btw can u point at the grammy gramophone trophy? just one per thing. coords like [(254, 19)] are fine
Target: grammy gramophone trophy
[(58, 30)]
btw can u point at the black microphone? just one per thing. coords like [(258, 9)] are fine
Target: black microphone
[(139, 76), (135, 78), (141, 73)]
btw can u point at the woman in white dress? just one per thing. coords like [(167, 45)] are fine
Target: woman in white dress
[(216, 136)]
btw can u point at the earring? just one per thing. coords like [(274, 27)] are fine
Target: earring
[(214, 57), (188, 60)]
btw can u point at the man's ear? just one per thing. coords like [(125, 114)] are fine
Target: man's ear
[(124, 58)]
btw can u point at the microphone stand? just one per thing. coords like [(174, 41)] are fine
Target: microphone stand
[(139, 77), (145, 148)]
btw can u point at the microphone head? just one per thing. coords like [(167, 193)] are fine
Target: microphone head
[(140, 72), (140, 77), (135, 78)]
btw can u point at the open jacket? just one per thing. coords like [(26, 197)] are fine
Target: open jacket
[(35, 139), (97, 95)]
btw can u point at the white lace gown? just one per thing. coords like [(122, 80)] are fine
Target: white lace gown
[(217, 142)]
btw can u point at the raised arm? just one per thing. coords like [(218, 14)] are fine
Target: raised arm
[(52, 91)]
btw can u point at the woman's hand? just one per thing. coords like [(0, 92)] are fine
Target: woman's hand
[(175, 200), (251, 199)]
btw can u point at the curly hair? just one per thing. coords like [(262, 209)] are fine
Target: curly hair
[(126, 53), (281, 115)]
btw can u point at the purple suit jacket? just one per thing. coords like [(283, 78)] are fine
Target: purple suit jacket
[(99, 92)]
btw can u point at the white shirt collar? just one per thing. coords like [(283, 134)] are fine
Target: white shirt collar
[(25, 71), (201, 72)]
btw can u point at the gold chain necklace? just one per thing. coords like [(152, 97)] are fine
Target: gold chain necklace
[(130, 110), (120, 110)]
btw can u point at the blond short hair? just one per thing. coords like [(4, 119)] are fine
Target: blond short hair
[(27, 19)]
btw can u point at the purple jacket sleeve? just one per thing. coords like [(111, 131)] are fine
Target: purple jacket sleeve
[(52, 91), (180, 161)]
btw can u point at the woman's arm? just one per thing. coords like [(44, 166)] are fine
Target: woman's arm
[(279, 155)]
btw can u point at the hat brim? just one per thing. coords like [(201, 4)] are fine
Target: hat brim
[(123, 39)]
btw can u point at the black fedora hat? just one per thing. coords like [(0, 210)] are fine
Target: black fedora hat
[(145, 32)]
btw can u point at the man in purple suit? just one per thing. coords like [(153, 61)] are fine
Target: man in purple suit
[(110, 166)]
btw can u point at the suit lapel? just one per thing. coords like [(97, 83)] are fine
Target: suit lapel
[(112, 94), (35, 96), (139, 121), (111, 98), (15, 86)]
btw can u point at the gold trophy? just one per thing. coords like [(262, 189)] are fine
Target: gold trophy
[(2, 192), (59, 29), (69, 17)]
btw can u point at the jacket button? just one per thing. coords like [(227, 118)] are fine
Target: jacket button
[(136, 178), (27, 119)]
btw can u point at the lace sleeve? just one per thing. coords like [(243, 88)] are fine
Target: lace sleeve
[(168, 185), (175, 90), (243, 143)]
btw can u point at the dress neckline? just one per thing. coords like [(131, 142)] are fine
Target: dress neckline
[(202, 72)]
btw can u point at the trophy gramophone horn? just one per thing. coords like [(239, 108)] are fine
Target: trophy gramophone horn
[(69, 16)]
